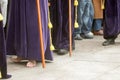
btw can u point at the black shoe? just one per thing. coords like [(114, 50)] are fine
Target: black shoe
[(4, 72), (62, 52), (109, 42), (6, 76), (78, 37), (73, 48), (56, 50)]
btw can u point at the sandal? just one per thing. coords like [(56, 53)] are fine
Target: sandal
[(31, 63), (18, 59)]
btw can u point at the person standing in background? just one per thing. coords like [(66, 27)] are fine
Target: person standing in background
[(112, 21), (85, 20), (23, 38), (3, 63), (98, 17), (60, 19)]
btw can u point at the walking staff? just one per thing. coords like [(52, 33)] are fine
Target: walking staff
[(40, 33), (70, 30)]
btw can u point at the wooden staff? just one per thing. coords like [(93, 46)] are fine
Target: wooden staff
[(70, 30), (40, 33)]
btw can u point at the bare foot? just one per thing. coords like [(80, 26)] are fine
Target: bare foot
[(18, 59), (31, 63)]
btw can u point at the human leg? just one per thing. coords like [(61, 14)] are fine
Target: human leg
[(97, 23)]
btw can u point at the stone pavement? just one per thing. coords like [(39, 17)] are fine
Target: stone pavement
[(90, 61)]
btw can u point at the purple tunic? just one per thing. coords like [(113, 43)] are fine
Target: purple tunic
[(2, 47), (59, 16), (112, 19), (23, 33)]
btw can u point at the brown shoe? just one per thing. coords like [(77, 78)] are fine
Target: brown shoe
[(100, 32)]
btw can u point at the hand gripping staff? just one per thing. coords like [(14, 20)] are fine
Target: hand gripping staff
[(40, 33), (70, 30)]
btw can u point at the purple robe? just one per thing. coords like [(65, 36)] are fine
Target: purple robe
[(2, 47), (112, 19), (59, 17), (23, 33), (3, 63)]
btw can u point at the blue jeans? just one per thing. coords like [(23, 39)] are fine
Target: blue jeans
[(97, 23), (85, 16)]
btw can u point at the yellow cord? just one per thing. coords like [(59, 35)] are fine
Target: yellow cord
[(1, 17), (0, 75), (75, 2), (51, 45), (50, 26), (76, 25), (102, 4)]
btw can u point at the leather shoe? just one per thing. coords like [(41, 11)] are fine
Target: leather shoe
[(62, 52), (109, 42), (99, 32), (56, 50), (6, 77), (78, 37), (4, 74)]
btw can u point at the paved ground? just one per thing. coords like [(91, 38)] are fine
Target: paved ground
[(90, 61)]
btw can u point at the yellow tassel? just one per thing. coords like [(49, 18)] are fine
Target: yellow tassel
[(76, 25), (50, 26), (75, 2), (1, 17), (103, 7), (0, 75), (52, 47), (102, 4)]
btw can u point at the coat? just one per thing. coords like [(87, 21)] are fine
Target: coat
[(98, 11), (59, 17), (112, 19), (22, 30), (2, 47)]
